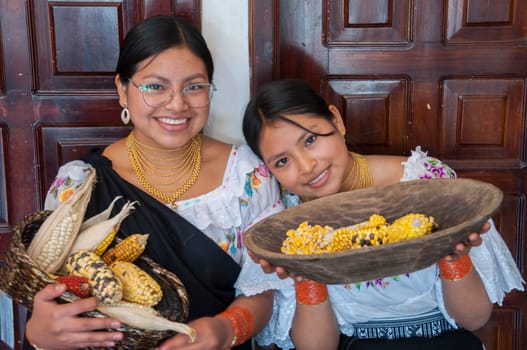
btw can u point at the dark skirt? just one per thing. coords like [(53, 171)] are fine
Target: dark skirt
[(451, 340)]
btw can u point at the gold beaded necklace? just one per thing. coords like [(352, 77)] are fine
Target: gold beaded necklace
[(361, 173), (145, 163)]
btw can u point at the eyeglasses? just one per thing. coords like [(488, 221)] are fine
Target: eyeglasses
[(157, 95)]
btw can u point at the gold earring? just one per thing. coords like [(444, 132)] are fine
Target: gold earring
[(343, 133)]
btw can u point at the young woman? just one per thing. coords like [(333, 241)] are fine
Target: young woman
[(196, 196), (300, 138)]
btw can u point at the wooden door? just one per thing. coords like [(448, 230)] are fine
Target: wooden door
[(449, 75), (57, 96)]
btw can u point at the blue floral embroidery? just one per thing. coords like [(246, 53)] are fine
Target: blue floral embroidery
[(248, 188)]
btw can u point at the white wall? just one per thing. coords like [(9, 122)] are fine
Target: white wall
[(225, 26)]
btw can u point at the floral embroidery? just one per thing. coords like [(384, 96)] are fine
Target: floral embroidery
[(436, 169), (248, 187), (244, 203), (263, 171), (380, 282), (239, 241), (61, 188), (66, 194), (233, 241), (224, 245), (253, 181)]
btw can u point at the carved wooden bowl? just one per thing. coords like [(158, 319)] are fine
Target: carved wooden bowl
[(459, 206)]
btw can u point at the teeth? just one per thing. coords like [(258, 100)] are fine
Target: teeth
[(173, 121), (317, 179)]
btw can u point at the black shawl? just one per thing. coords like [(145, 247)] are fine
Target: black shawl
[(207, 272)]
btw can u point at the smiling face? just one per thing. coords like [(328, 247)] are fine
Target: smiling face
[(303, 161), (174, 124)]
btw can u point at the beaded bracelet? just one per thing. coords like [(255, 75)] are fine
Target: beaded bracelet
[(455, 270), (242, 323), (310, 292)]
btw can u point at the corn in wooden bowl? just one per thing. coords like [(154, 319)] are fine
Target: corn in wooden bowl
[(459, 206), (21, 279)]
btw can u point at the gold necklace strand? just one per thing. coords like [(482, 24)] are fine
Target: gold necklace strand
[(362, 177), (141, 175), (160, 169)]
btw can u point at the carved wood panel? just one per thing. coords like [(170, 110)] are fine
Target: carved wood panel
[(374, 22), (483, 122), (503, 22), (59, 144), (461, 95), (375, 111)]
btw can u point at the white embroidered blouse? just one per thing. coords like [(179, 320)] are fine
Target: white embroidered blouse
[(395, 299)]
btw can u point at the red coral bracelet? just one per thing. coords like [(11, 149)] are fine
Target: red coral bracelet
[(455, 270), (242, 323), (310, 292)]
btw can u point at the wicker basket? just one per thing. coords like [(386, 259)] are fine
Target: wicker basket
[(21, 279), (459, 206)]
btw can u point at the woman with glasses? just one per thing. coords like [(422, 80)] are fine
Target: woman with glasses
[(195, 196)]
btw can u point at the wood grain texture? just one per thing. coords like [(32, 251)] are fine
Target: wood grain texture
[(459, 206)]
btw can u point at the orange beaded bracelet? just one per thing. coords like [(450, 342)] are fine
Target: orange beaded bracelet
[(242, 323), (455, 270), (310, 292)]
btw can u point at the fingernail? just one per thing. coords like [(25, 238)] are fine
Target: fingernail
[(115, 324)]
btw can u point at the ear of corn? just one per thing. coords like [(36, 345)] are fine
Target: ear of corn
[(128, 249), (78, 285), (105, 286), (102, 232), (316, 239), (410, 226), (53, 241), (138, 286), (145, 318), (103, 215)]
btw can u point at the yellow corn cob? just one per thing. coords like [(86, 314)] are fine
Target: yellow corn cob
[(105, 286), (105, 243), (128, 249), (307, 239), (410, 226), (54, 239), (138, 286)]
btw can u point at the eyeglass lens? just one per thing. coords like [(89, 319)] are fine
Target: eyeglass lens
[(196, 95)]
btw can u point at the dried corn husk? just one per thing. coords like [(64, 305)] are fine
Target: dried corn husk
[(52, 243), (144, 317), (95, 234), (103, 215)]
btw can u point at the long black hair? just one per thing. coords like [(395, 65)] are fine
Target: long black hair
[(273, 100), (156, 34)]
